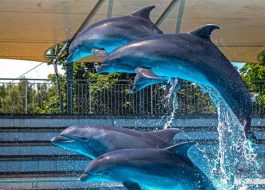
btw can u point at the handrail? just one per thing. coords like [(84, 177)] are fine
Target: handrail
[(35, 79), (89, 80)]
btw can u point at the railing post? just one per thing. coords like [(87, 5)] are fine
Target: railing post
[(69, 82), (152, 106), (26, 96), (90, 99), (142, 101)]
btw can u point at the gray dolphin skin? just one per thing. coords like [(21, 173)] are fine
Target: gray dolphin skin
[(93, 141), (159, 169), (109, 34), (189, 56)]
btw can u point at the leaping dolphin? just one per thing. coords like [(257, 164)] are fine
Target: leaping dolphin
[(189, 56), (109, 34), (159, 169), (93, 141)]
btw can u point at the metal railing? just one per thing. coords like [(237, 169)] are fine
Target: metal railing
[(109, 98)]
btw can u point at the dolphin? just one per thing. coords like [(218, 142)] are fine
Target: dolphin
[(109, 34), (93, 141), (159, 169), (189, 56)]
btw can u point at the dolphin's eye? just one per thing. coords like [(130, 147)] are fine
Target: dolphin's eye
[(101, 157)]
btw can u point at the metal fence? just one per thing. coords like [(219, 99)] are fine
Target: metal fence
[(107, 98)]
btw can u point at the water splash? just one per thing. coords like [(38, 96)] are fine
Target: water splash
[(170, 118), (235, 159)]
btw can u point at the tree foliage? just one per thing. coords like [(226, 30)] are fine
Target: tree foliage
[(106, 94), (254, 76)]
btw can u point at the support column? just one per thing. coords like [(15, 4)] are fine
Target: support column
[(110, 7), (180, 15), (69, 91)]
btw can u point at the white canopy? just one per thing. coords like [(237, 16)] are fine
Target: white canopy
[(30, 27)]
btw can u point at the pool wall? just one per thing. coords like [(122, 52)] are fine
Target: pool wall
[(28, 159)]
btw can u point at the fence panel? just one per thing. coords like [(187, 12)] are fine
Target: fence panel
[(35, 96)]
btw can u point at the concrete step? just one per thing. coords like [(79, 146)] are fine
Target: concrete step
[(27, 136), (207, 135), (72, 183), (55, 183), (43, 165), (42, 157), (19, 149)]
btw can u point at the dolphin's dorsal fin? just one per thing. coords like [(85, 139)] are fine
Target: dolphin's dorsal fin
[(144, 12), (205, 31), (181, 148), (166, 134)]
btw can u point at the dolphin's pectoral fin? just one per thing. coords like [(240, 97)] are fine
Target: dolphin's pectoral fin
[(131, 185), (205, 31), (144, 78), (99, 52), (181, 149), (146, 73), (144, 12)]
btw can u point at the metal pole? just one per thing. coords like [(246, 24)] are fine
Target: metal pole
[(110, 6), (90, 100), (57, 75), (58, 87), (142, 102), (26, 96), (169, 8), (180, 15), (152, 106), (69, 81), (89, 17)]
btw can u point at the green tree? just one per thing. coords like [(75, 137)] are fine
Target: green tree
[(254, 76)]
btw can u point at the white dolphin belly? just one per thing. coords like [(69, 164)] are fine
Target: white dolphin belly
[(181, 70)]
